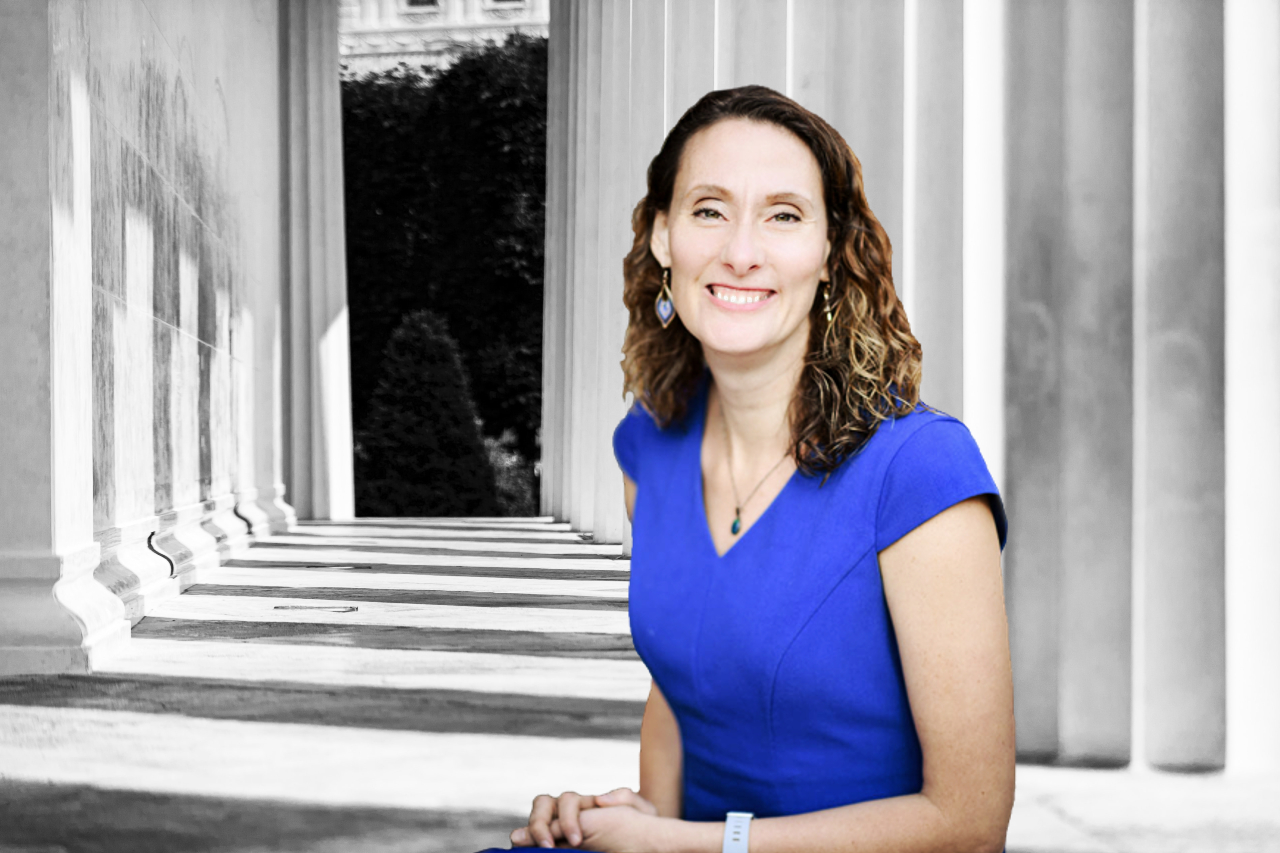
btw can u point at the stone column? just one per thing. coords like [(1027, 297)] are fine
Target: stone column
[(318, 466), (691, 52), (752, 39), (629, 77), (648, 121), (1096, 354), (983, 266), (1252, 107), (929, 261), (847, 66), (54, 617), (264, 503), (552, 435), (1180, 402), (581, 316), (1069, 368), (616, 183)]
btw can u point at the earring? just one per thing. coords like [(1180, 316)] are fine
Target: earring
[(826, 301), (665, 307)]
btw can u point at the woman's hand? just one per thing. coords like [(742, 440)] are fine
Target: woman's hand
[(612, 823)]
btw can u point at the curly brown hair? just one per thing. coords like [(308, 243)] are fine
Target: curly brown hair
[(861, 368)]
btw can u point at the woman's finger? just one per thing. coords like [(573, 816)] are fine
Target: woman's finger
[(570, 804), (626, 797), (540, 817)]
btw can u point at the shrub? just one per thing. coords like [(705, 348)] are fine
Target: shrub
[(421, 453)]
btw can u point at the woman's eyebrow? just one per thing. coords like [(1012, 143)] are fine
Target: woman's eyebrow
[(703, 190)]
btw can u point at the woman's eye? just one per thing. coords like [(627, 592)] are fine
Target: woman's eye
[(711, 212), (793, 217)]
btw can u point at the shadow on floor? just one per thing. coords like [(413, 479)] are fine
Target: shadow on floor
[(75, 819)]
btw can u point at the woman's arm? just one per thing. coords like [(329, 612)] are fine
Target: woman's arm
[(943, 586), (661, 753)]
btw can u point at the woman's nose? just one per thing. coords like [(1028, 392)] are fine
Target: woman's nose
[(742, 251)]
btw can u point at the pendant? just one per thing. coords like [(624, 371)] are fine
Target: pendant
[(737, 524)]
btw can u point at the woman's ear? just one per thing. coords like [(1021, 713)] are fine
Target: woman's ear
[(659, 239)]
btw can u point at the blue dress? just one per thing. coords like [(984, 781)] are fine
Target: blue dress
[(778, 658)]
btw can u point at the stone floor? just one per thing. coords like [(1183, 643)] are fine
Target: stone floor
[(410, 686)]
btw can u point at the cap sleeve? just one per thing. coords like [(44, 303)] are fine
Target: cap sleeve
[(626, 442), (938, 466)]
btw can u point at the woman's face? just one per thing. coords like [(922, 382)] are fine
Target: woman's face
[(745, 238)]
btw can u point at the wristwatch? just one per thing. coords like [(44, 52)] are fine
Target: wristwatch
[(737, 826)]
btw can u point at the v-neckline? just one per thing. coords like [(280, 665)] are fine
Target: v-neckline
[(700, 433)]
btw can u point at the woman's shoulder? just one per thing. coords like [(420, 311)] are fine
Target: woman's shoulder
[(927, 461), (892, 434), (640, 433), (638, 436)]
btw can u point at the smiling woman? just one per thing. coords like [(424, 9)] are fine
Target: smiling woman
[(815, 575)]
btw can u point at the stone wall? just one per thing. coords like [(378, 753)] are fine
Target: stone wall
[(185, 169)]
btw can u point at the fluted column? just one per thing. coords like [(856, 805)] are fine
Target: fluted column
[(318, 467), (630, 71), (583, 354), (1070, 375), (1180, 402), (752, 39), (617, 185), (553, 435), (847, 66), (54, 617), (262, 497), (594, 180), (929, 261)]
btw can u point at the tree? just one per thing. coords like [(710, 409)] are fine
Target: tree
[(445, 186), (421, 453)]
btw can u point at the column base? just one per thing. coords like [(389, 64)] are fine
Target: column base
[(55, 617), (139, 576), (264, 511), (231, 532), (280, 516)]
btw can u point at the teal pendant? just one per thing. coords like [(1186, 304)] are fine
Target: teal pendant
[(737, 525)]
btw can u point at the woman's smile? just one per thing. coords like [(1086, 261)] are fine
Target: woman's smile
[(731, 298)]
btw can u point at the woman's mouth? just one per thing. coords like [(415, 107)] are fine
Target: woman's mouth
[(739, 298)]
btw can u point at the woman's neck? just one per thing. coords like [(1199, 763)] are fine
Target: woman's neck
[(753, 401)]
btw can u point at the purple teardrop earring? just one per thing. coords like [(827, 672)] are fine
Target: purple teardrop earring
[(665, 307)]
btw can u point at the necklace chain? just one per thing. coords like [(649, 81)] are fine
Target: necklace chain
[(736, 527)]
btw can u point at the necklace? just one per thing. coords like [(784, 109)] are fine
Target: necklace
[(737, 510)]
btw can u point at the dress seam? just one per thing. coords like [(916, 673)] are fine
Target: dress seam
[(773, 684)]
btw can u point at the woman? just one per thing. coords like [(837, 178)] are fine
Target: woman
[(815, 578)]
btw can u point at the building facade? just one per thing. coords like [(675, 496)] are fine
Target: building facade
[(1084, 200), (380, 34)]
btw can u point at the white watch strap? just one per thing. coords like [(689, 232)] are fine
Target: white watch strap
[(737, 826)]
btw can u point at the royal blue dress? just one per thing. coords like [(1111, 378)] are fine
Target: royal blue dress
[(778, 658)]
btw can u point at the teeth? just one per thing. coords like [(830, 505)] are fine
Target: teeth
[(731, 296)]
